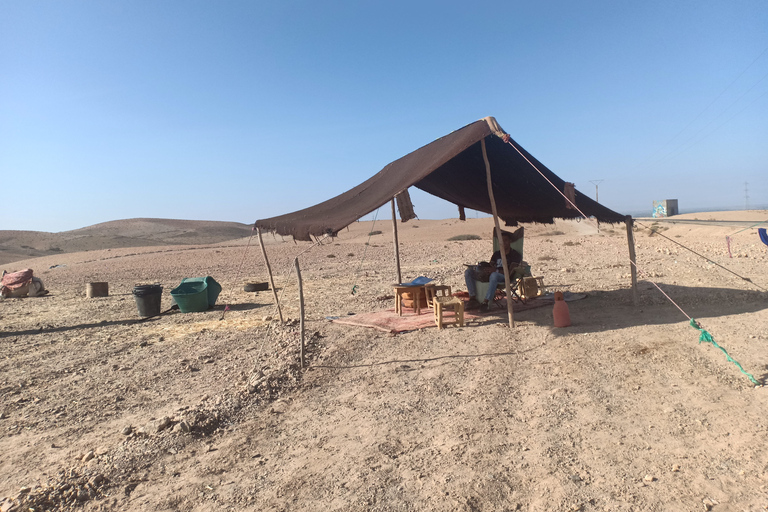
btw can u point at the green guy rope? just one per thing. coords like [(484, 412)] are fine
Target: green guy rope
[(705, 336), (750, 227)]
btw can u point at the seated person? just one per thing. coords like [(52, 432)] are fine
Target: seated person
[(496, 276)]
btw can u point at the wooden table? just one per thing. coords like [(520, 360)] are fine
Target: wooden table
[(415, 290)]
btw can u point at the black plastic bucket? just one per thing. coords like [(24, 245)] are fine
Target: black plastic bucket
[(148, 299)]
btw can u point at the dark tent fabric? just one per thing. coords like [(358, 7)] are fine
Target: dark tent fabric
[(452, 168)]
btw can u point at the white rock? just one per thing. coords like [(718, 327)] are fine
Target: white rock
[(162, 424)]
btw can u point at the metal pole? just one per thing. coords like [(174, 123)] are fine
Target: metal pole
[(596, 183)]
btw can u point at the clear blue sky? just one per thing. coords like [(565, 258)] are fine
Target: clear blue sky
[(240, 110)]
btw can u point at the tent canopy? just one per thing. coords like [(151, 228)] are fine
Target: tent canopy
[(452, 168)]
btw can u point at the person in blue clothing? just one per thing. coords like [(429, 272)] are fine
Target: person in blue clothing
[(496, 276)]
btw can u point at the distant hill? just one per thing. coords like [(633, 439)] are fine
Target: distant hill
[(21, 245)]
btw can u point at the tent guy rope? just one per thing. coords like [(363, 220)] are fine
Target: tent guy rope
[(239, 269), (365, 251), (704, 257), (705, 336)]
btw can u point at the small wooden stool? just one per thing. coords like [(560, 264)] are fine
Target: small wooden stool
[(457, 305), (436, 290), (400, 290)]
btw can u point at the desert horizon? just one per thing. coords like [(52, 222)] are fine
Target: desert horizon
[(18, 245)]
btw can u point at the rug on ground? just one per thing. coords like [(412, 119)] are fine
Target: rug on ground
[(389, 321)]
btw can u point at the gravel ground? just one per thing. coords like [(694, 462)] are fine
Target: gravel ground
[(624, 410)]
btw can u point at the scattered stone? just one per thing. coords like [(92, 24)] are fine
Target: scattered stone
[(163, 423), (182, 426), (97, 480), (126, 431), (143, 343), (24, 490), (278, 407), (675, 468), (3, 416), (648, 478), (266, 319), (255, 380), (88, 456)]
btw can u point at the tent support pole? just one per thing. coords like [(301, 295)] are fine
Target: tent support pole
[(507, 287), (269, 272), (632, 258), (397, 246), (301, 312)]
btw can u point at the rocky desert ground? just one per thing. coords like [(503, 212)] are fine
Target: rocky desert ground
[(623, 411)]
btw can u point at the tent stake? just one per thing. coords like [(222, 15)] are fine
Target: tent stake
[(632, 257), (507, 287), (301, 312), (397, 246), (269, 272)]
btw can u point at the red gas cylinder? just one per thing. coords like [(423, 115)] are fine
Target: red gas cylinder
[(560, 311)]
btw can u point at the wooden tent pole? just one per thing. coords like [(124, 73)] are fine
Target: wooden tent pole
[(632, 258), (507, 287), (301, 311), (269, 272), (397, 246)]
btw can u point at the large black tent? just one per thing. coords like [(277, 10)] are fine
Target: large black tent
[(452, 168), (477, 167)]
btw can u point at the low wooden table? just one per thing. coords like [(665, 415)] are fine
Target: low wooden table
[(454, 303), (415, 290)]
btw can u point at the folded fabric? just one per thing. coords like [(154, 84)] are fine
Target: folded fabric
[(13, 280), (763, 235)]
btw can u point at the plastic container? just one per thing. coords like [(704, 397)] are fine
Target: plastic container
[(148, 297), (196, 294), (560, 311)]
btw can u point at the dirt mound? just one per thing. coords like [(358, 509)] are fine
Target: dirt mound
[(18, 245)]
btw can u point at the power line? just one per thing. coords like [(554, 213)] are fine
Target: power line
[(651, 159)]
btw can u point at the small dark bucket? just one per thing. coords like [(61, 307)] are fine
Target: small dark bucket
[(148, 299)]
